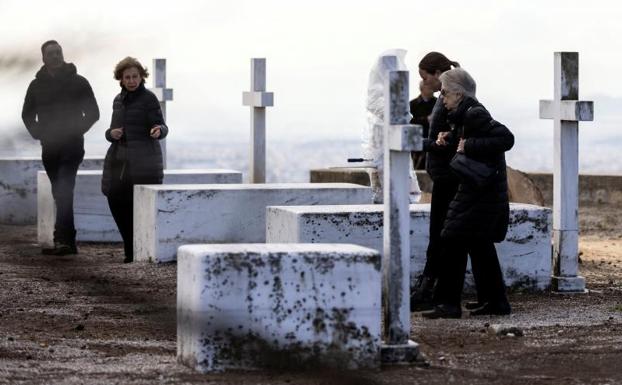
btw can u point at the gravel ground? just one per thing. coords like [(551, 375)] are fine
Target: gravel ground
[(91, 319)]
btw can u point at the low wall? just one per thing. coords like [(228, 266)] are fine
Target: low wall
[(532, 188)]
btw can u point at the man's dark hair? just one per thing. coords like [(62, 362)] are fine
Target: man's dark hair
[(49, 42)]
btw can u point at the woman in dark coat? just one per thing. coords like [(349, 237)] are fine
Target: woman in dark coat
[(135, 156), (445, 183), (477, 216)]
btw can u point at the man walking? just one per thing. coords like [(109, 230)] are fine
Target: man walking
[(58, 109)]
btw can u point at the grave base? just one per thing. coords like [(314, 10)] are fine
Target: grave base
[(568, 284), (399, 354)]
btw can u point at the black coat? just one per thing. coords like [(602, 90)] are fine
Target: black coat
[(438, 157), (420, 110), (139, 154), (59, 109), (474, 213)]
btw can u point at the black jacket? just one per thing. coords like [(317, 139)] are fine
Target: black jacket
[(480, 214), (420, 110), (438, 157), (59, 109), (138, 154)]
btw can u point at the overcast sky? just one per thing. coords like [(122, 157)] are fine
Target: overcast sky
[(318, 55)]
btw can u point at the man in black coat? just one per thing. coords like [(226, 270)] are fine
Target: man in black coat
[(58, 109)]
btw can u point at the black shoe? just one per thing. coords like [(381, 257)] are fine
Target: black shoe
[(60, 249), (128, 260), (473, 305), (443, 311), (490, 308), (421, 297)]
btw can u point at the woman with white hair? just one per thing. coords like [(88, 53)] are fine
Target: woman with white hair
[(478, 214), (445, 185)]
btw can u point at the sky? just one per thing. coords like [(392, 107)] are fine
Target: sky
[(319, 55)]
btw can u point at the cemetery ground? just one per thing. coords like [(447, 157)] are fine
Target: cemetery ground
[(91, 319)]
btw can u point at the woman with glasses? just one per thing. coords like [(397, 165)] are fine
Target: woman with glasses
[(478, 214), (445, 183)]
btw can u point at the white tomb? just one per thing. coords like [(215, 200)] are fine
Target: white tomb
[(18, 187), (93, 220), (168, 216), (525, 255), (248, 306)]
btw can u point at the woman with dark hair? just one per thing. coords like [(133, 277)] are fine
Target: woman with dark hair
[(478, 214), (445, 184), (135, 156)]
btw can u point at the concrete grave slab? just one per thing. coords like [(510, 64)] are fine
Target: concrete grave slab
[(525, 255), (166, 217), (93, 220), (247, 306), (18, 187)]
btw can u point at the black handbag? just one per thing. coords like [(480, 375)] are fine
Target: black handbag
[(471, 171)]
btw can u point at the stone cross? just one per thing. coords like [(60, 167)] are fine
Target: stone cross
[(400, 138), (567, 111), (162, 93), (258, 99)]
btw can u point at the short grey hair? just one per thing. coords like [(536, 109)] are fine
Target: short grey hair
[(458, 80)]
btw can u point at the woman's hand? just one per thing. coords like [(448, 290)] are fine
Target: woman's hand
[(461, 146), (116, 133), (155, 132), (440, 140)]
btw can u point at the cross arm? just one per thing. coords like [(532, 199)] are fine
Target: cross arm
[(406, 137), (258, 99), (163, 94), (570, 110)]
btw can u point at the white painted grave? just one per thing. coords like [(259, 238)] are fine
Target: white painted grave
[(525, 254), (18, 187), (168, 216), (93, 220), (248, 306), (567, 111), (162, 93), (258, 99)]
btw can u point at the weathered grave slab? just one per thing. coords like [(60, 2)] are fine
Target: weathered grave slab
[(246, 306), (166, 217), (93, 220), (525, 255), (18, 187)]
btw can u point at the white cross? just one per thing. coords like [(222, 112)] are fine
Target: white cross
[(567, 111), (400, 138), (162, 93), (258, 99)]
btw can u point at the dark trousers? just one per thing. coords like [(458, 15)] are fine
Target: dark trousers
[(418, 158), (443, 191), (121, 203), (486, 272), (61, 164)]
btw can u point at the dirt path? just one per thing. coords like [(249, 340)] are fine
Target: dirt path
[(91, 319)]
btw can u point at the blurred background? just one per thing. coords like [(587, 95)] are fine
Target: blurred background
[(319, 56)]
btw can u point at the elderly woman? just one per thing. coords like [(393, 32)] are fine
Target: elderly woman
[(134, 157), (478, 214), (445, 185)]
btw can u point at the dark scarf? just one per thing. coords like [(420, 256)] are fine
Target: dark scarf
[(129, 96)]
